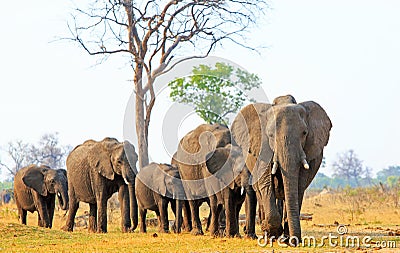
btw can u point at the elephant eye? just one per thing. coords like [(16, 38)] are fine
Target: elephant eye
[(305, 132), (52, 181), (119, 162)]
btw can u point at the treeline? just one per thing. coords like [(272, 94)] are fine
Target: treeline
[(389, 177)]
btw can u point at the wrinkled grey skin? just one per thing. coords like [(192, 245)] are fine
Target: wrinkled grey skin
[(96, 170), (156, 186), (284, 134), (36, 188), (190, 159), (208, 143), (227, 164)]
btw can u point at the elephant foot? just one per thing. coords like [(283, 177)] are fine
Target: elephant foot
[(271, 232), (126, 229), (251, 236), (234, 236), (101, 231), (66, 228), (197, 232), (166, 231)]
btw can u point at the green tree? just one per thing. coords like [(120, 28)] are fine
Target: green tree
[(214, 92)]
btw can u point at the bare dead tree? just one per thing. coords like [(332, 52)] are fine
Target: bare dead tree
[(152, 33), (49, 151), (349, 166), (18, 152)]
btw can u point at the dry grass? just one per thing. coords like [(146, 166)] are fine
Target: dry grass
[(367, 214)]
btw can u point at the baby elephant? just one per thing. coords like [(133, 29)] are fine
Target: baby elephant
[(156, 186), (35, 189)]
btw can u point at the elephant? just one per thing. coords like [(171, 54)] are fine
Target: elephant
[(229, 160), (156, 186), (193, 150), (96, 170), (36, 188), (283, 144)]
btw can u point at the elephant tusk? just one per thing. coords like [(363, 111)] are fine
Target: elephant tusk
[(274, 168), (305, 164), (126, 181)]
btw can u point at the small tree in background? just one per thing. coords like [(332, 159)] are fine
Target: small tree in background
[(49, 152), (350, 167), (214, 92)]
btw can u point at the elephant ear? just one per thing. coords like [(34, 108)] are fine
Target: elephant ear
[(99, 156), (249, 132), (34, 178), (220, 164), (319, 126), (131, 155), (161, 177), (64, 172)]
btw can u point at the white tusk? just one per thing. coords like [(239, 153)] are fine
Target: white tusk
[(59, 194), (274, 168), (126, 181), (305, 164)]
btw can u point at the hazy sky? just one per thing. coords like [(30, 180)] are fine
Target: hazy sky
[(345, 55)]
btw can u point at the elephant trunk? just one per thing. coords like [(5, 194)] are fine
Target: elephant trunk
[(291, 163), (62, 195), (133, 206)]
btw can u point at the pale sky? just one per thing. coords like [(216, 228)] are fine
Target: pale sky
[(345, 55)]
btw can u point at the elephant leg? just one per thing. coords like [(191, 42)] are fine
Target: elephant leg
[(164, 223), (230, 213), (208, 221), (142, 214), (43, 215), (187, 219), (133, 206), (40, 221), (196, 223), (214, 216), (173, 207), (50, 210), (73, 208), (23, 214), (102, 215), (123, 196), (251, 206), (178, 215), (92, 218)]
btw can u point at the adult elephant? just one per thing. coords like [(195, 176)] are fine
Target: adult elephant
[(284, 143), (207, 183), (156, 186), (36, 188), (190, 158), (96, 170)]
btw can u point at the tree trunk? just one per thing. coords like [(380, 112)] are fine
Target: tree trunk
[(140, 120)]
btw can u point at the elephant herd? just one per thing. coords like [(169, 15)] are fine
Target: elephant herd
[(269, 156)]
